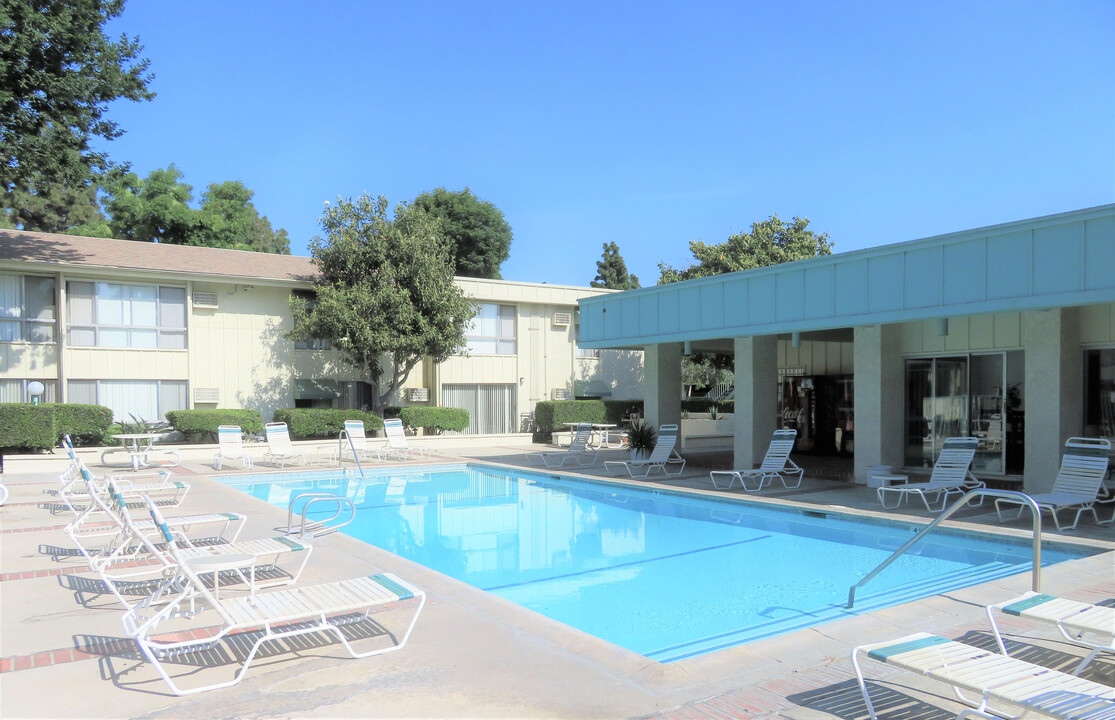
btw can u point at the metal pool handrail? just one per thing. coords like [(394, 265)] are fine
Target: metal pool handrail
[(340, 440), (313, 498), (1035, 575)]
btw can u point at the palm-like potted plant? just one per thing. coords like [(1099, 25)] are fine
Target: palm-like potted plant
[(641, 439)]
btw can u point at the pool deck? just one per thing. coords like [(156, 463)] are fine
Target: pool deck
[(64, 654)]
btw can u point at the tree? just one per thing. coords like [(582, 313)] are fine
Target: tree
[(479, 236), (611, 271), (58, 74), (770, 242), (155, 208), (385, 296), (49, 207), (228, 219)]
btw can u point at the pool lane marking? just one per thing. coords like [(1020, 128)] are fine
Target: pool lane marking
[(644, 561)]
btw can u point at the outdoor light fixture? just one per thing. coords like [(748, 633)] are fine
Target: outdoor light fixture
[(36, 389), (943, 327), (795, 339), (688, 348)]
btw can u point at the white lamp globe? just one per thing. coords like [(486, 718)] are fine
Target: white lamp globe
[(35, 387)]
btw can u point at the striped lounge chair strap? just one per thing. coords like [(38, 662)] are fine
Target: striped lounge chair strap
[(881, 654)]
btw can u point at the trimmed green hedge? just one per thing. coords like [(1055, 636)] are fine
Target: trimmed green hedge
[(702, 405), (24, 426), (323, 422), (85, 424), (434, 420), (551, 415), (199, 425)]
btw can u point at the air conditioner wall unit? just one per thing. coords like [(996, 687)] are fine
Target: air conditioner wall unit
[(563, 319), (418, 394), (205, 299), (561, 394), (207, 395)]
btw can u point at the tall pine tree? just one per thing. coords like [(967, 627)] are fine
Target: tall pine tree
[(611, 271)]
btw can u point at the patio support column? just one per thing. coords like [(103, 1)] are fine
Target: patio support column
[(878, 372), (662, 368), (756, 398), (1053, 391)]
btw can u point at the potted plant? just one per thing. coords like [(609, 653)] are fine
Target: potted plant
[(641, 439)]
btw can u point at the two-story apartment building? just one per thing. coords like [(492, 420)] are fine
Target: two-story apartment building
[(145, 328)]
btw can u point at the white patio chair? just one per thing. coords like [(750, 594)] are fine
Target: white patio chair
[(231, 441), (776, 464), (279, 448), (1074, 619), (354, 441), (1002, 684), (74, 489), (661, 458), (578, 450), (951, 475), (256, 619), (1079, 483), (134, 554), (397, 443)]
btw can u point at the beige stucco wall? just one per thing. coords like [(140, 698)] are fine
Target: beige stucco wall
[(37, 361), (817, 358)]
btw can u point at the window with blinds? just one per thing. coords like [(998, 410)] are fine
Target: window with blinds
[(27, 309), (114, 315), (491, 408)]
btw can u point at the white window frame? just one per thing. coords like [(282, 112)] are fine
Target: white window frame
[(502, 343), (25, 322), (132, 330)]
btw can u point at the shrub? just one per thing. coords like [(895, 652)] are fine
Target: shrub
[(391, 411), (24, 426), (85, 424), (434, 420), (201, 425), (323, 422), (551, 415)]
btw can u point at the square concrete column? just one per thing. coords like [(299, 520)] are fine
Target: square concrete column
[(880, 394), (662, 370), (756, 415), (1053, 393)]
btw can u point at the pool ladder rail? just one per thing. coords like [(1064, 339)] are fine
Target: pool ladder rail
[(318, 528), (1035, 573)]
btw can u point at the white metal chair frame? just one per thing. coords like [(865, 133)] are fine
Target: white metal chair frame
[(579, 449), (1079, 483), (776, 465), (661, 458), (952, 475)]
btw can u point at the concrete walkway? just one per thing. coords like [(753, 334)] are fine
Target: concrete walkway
[(63, 652)]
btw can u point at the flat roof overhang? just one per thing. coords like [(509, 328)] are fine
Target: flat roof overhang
[(1047, 262)]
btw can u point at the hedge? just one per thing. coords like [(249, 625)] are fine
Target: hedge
[(85, 424), (197, 425), (434, 420), (702, 405), (24, 426), (323, 422), (551, 415)]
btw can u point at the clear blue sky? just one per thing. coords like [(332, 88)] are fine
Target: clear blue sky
[(646, 124)]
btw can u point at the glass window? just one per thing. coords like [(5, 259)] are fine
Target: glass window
[(1099, 393), (114, 315), (584, 352), (15, 391), (492, 330), (147, 400), (310, 343), (27, 311)]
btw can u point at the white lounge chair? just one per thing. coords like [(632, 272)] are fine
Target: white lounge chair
[(353, 439), (661, 458), (578, 450), (75, 493), (1079, 482), (274, 615), (134, 554), (1004, 686), (776, 464), (279, 448), (231, 440), (951, 475), (397, 443), (1074, 619)]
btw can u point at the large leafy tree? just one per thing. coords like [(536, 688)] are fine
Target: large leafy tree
[(58, 74), (770, 242), (228, 219), (385, 296), (153, 208), (478, 235), (51, 207), (611, 271)]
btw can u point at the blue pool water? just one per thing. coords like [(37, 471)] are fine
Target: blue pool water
[(664, 574)]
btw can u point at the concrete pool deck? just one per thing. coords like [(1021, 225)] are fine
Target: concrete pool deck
[(63, 653)]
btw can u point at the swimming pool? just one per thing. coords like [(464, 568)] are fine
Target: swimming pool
[(664, 574)]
